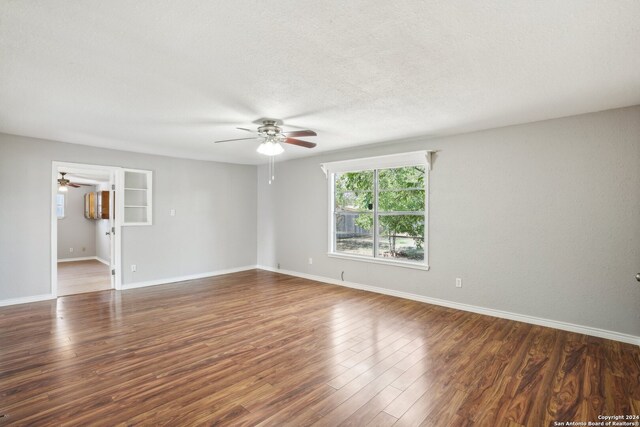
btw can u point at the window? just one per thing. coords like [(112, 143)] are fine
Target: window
[(379, 213), (60, 199)]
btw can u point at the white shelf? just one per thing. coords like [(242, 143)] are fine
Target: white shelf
[(137, 197)]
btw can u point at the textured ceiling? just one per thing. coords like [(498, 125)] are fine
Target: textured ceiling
[(170, 77)]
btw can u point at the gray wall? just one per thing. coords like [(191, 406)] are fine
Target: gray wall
[(541, 219), (103, 242), (74, 230), (214, 227)]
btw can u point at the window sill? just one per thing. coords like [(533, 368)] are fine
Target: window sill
[(413, 265)]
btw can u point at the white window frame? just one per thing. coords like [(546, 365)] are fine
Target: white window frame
[(416, 158), (64, 205)]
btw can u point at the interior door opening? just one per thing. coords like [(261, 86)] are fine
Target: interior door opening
[(84, 229)]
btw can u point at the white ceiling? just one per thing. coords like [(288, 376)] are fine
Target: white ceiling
[(87, 178), (79, 175), (169, 77)]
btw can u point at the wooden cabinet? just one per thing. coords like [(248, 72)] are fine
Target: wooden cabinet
[(103, 204), (90, 205), (96, 205)]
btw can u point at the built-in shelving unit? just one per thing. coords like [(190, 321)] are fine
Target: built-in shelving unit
[(137, 197)]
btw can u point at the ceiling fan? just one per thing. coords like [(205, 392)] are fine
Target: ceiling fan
[(272, 136), (63, 183)]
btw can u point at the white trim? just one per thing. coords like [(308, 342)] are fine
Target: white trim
[(330, 208), (586, 330), (104, 261), (83, 168), (189, 277), (413, 158), (25, 300), (148, 174), (54, 231), (85, 258), (379, 162), (383, 261)]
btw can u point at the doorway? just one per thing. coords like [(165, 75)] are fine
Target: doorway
[(85, 244)]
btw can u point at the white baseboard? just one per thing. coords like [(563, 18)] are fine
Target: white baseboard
[(84, 258), (24, 300), (586, 330), (189, 277)]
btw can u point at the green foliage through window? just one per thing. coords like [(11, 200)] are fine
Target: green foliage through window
[(399, 214)]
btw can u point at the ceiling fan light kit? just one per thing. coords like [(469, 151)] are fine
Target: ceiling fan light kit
[(272, 137), (63, 183), (270, 147)]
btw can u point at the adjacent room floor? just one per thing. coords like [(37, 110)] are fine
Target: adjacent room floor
[(77, 277), (260, 347)]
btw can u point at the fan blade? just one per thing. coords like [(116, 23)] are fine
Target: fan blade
[(237, 139), (73, 185), (248, 130), (295, 133), (299, 142), (77, 184)]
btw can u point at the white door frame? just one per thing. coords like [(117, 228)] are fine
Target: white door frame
[(117, 221)]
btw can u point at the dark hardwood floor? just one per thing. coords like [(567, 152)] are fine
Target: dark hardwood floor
[(259, 348)]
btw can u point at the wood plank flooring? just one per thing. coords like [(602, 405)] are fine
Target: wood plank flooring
[(75, 277), (260, 348)]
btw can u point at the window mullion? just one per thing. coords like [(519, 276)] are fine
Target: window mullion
[(375, 213)]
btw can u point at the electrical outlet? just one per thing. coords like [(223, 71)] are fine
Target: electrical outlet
[(172, 212), (134, 268), (458, 282), (310, 260), (84, 249), (278, 266), (71, 250)]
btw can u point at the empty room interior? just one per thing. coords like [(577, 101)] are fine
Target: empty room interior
[(416, 213)]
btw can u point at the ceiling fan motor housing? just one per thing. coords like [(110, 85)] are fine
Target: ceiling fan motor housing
[(63, 181), (269, 128)]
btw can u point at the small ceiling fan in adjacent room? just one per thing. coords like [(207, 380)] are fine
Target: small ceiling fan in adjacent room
[(64, 183), (271, 137)]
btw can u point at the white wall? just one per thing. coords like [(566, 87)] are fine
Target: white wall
[(74, 230), (103, 241), (214, 227), (541, 219)]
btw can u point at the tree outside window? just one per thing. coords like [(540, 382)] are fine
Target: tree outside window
[(381, 213)]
